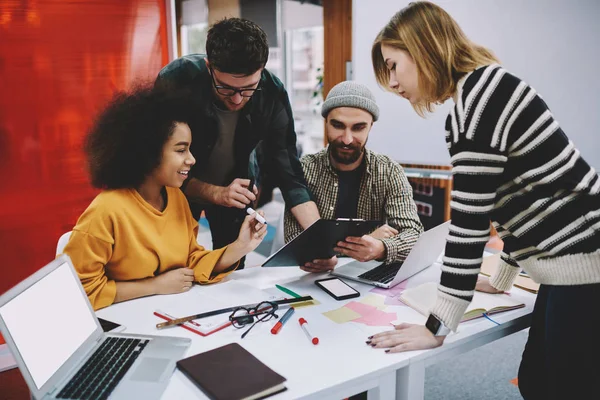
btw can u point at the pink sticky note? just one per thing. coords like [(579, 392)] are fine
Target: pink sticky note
[(371, 315), (361, 308), (379, 318)]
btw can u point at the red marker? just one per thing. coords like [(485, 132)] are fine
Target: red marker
[(282, 321), (304, 326)]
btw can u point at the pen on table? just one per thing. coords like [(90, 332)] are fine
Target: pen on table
[(287, 291), (304, 326), (282, 321)]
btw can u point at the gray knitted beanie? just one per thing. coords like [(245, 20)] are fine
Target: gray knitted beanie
[(350, 94)]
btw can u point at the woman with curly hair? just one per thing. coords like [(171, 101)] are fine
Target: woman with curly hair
[(138, 236)]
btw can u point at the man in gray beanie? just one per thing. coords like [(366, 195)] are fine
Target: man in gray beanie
[(349, 181)]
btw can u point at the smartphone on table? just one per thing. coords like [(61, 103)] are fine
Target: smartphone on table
[(337, 288)]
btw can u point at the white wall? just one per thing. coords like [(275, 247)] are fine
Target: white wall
[(298, 15), (551, 44)]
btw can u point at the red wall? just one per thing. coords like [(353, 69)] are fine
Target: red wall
[(60, 61)]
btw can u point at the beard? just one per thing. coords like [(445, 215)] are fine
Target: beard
[(346, 154)]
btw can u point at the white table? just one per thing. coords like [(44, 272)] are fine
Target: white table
[(341, 364)]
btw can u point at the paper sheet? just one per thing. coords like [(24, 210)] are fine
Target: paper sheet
[(377, 319), (370, 315), (423, 297), (356, 311), (374, 300), (212, 297), (342, 315)]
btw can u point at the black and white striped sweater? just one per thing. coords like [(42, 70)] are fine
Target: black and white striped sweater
[(513, 165)]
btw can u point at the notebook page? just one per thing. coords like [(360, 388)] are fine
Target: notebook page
[(421, 298), (488, 301)]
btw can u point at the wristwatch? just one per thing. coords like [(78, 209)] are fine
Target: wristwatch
[(436, 326)]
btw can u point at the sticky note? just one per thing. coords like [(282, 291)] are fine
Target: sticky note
[(374, 300), (342, 315)]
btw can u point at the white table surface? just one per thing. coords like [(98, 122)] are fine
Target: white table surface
[(342, 364)]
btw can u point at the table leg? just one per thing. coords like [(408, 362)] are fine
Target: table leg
[(386, 389), (410, 382)]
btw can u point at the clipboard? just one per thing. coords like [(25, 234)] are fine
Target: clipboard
[(318, 241)]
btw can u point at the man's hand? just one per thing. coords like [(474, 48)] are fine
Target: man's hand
[(322, 265), (364, 248), (483, 285), (236, 194), (384, 232), (405, 337), (174, 281)]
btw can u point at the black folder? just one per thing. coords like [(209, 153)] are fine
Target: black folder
[(318, 241)]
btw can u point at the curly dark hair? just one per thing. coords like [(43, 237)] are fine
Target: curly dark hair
[(126, 140), (237, 46)]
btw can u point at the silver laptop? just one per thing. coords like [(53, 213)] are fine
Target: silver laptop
[(427, 249), (62, 352)]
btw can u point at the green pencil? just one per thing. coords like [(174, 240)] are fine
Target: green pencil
[(288, 291)]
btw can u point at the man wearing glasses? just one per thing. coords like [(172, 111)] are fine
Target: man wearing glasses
[(243, 129)]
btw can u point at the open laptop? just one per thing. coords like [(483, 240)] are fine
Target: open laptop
[(427, 249), (62, 352)]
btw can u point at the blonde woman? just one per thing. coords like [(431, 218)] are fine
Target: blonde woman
[(513, 165)]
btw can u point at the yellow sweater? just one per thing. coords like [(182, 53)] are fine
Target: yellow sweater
[(121, 237)]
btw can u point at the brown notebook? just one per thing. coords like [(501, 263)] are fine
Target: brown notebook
[(230, 372)]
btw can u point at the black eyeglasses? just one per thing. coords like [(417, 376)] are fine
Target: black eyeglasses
[(229, 91), (242, 316)]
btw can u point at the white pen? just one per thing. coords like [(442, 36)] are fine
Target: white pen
[(258, 217)]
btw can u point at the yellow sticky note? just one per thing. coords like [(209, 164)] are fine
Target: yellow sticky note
[(308, 303), (342, 315), (374, 300)]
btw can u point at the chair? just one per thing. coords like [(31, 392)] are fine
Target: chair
[(62, 242)]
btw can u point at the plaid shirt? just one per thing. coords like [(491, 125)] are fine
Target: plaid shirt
[(385, 195)]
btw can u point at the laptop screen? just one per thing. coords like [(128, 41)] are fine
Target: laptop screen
[(48, 322)]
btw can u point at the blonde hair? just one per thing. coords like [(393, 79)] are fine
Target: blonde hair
[(440, 49)]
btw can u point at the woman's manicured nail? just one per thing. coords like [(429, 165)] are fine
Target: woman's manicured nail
[(370, 337), (387, 351), (368, 342)]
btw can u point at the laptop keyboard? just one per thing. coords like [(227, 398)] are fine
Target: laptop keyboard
[(384, 273), (103, 371)]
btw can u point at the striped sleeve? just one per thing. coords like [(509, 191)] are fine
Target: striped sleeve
[(478, 163)]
